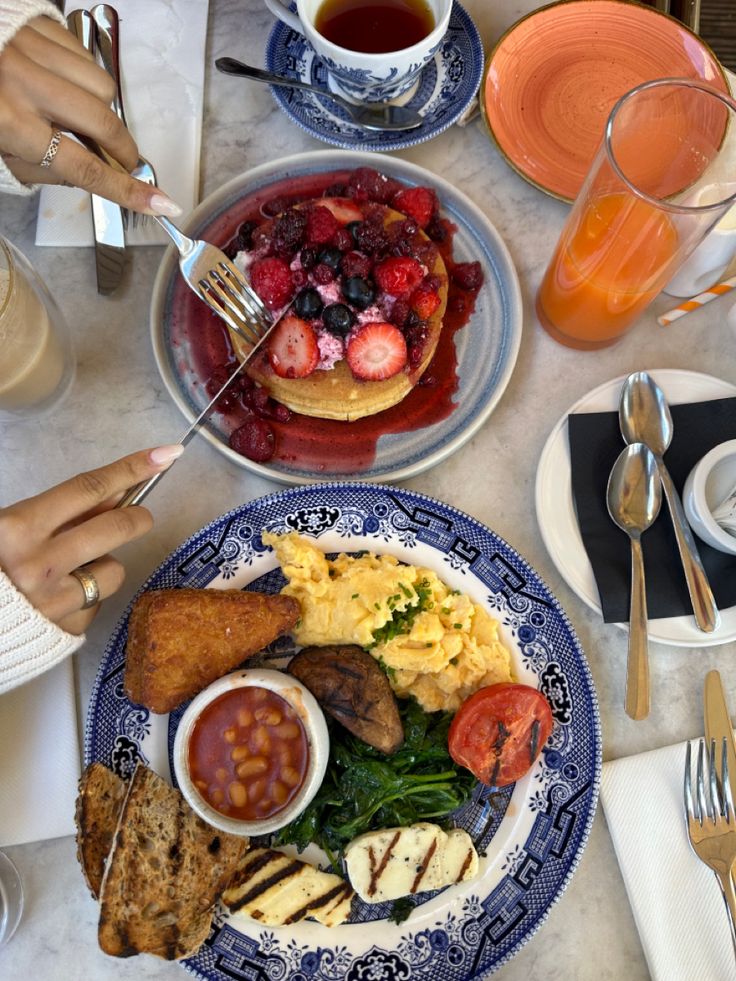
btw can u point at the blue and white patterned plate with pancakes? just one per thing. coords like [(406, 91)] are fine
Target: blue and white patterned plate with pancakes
[(530, 836), (447, 86)]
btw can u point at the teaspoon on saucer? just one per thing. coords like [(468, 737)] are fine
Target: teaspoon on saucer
[(374, 116)]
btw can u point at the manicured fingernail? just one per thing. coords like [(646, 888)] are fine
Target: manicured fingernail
[(162, 456), (161, 204)]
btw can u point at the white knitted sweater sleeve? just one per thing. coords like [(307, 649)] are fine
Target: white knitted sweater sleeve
[(29, 643), (15, 14)]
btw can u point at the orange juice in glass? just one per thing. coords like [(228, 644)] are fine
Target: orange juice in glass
[(631, 227)]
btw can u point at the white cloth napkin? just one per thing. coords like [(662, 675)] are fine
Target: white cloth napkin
[(675, 898), (39, 758), (162, 47)]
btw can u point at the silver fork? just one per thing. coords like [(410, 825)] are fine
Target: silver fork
[(711, 824)]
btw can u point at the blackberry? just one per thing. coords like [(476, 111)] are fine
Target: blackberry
[(323, 274), (355, 264), (370, 237), (342, 240), (336, 191), (243, 241), (338, 319), (358, 291), (331, 257), (308, 304), (288, 231), (437, 228), (308, 257)]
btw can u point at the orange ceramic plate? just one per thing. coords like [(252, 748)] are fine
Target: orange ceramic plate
[(552, 79)]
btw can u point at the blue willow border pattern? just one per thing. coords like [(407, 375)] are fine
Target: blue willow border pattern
[(488, 929)]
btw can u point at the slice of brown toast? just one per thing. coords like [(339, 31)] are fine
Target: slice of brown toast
[(166, 871), (180, 640), (99, 802)]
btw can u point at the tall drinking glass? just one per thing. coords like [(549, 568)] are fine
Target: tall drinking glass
[(37, 363), (634, 221)]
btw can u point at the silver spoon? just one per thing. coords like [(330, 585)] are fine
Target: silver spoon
[(644, 416), (634, 497), (376, 115)]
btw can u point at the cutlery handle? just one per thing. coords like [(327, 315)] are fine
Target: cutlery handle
[(108, 44), (706, 612), (230, 66), (725, 881), (637, 665)]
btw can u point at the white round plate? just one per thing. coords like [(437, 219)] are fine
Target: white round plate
[(487, 346), (556, 510), (530, 834)]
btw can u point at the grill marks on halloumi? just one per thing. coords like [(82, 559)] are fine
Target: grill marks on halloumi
[(276, 890), (396, 862)]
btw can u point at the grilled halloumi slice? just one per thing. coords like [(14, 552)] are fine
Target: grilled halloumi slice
[(398, 862), (276, 889)]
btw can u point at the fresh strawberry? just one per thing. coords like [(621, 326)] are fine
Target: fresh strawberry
[(271, 279), (293, 350), (418, 202), (398, 275), (343, 209), (376, 351), (321, 225), (424, 301)]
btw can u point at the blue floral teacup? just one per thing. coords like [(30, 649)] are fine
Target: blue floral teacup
[(362, 76)]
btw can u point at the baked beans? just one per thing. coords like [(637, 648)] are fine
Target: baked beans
[(248, 753)]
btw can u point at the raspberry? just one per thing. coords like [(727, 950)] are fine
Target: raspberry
[(254, 440), (323, 274), (416, 340), (342, 240), (370, 237), (425, 301), (468, 275), (367, 184), (376, 351), (398, 275), (355, 264), (419, 203), (432, 282), (321, 225), (288, 231), (271, 279), (399, 313)]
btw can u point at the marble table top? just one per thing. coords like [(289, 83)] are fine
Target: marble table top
[(119, 404)]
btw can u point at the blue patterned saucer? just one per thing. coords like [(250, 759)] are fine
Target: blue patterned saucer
[(530, 836), (446, 87)]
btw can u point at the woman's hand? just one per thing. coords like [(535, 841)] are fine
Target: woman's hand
[(48, 81), (45, 538)]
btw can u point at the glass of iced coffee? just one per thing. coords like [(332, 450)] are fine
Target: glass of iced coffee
[(37, 362)]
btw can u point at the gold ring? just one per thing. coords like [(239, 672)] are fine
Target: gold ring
[(51, 148), (89, 584)]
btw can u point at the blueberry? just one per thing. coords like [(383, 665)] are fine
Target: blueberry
[(338, 319), (331, 257), (308, 303), (358, 291), (351, 227)]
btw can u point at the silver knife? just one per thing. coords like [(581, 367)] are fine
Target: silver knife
[(136, 494), (107, 217), (718, 723)]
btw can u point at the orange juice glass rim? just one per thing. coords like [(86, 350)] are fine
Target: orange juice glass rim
[(681, 209)]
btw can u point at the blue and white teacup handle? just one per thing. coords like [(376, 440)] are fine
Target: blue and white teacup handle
[(283, 13)]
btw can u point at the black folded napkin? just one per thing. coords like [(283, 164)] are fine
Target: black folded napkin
[(595, 442)]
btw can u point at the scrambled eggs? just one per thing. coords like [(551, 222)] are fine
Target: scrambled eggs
[(438, 645)]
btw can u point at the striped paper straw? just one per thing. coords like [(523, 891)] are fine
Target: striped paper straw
[(718, 289)]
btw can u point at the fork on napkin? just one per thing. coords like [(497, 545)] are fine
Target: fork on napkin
[(677, 907), (162, 47)]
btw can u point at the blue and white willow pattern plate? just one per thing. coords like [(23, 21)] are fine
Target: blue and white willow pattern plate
[(447, 85), (530, 836)]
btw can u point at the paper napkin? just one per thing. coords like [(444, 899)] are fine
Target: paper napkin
[(162, 47), (675, 898), (39, 758)]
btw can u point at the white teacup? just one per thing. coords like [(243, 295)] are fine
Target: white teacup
[(709, 261), (363, 76)]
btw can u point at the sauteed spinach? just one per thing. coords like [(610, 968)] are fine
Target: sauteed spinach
[(365, 790)]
